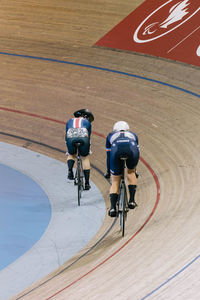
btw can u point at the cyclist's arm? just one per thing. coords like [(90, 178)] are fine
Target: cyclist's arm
[(108, 148), (135, 137), (89, 129), (66, 128), (137, 140)]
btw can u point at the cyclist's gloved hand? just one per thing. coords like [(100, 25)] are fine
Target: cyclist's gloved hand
[(107, 175)]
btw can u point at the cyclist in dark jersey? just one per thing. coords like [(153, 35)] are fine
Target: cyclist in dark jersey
[(122, 142), (78, 129)]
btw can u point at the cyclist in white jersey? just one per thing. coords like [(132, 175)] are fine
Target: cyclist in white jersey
[(122, 142)]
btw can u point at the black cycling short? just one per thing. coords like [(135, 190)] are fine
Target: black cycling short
[(84, 147), (120, 149)]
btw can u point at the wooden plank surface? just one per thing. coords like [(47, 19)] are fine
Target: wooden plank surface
[(162, 234)]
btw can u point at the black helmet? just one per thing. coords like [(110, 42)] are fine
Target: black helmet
[(85, 113)]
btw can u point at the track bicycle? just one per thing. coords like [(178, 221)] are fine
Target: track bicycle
[(79, 175), (123, 200), (77, 134)]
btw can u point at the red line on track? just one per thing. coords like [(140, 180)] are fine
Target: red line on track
[(30, 114), (41, 117), (128, 241), (136, 233)]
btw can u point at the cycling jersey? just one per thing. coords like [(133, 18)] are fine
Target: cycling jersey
[(121, 135), (79, 123), (78, 130)]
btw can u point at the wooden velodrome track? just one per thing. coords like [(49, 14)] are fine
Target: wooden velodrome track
[(159, 256)]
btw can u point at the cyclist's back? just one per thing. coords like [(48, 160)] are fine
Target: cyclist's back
[(78, 130), (122, 135), (78, 122)]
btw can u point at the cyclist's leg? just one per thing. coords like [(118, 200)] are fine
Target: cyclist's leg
[(86, 170), (132, 162), (114, 194), (132, 185), (115, 182), (86, 162), (71, 158), (84, 151), (131, 176), (116, 171)]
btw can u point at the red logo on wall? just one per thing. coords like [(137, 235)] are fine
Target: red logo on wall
[(170, 29)]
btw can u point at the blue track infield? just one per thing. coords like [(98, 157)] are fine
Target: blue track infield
[(41, 224), (25, 213)]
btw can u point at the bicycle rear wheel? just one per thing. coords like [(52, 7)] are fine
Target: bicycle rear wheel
[(122, 208), (79, 182)]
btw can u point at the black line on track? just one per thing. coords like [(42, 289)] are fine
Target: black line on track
[(44, 145), (92, 247)]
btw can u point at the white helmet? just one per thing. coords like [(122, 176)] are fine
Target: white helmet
[(120, 125)]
